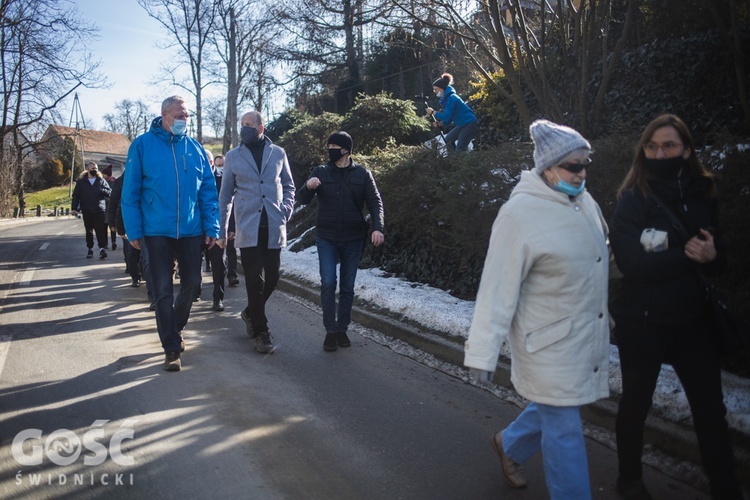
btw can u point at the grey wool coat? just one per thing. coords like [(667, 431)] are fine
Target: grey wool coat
[(249, 190)]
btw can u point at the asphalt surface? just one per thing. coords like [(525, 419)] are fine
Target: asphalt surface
[(80, 363)]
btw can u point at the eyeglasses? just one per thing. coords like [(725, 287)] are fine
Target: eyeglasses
[(667, 147), (575, 168)]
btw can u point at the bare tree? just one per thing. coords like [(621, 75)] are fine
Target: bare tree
[(43, 59), (318, 30), (533, 42), (245, 39), (190, 23), (131, 118)]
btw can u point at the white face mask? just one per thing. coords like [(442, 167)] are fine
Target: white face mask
[(220, 171)]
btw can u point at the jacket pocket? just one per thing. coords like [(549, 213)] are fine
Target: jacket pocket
[(548, 335)]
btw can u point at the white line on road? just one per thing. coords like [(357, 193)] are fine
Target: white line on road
[(27, 275), (44, 247), (4, 346)]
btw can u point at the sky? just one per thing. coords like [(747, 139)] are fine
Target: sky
[(440, 311), (129, 58)]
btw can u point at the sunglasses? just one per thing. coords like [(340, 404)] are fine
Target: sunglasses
[(575, 168)]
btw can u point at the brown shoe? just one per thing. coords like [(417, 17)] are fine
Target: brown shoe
[(512, 471), (172, 361)]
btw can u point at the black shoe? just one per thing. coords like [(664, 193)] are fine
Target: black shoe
[(152, 306), (248, 325), (329, 344), (234, 281), (218, 305), (136, 283), (102, 253), (263, 343), (172, 361), (632, 489), (197, 298), (90, 254), (342, 340), (114, 246)]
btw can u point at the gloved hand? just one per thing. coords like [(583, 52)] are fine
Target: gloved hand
[(482, 377)]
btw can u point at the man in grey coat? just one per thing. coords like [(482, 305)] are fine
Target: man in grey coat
[(258, 180)]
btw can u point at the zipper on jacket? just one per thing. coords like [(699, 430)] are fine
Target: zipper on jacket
[(177, 180), (682, 195)]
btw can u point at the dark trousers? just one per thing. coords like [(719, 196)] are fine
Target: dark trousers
[(172, 314), (95, 223), (231, 258), (261, 265), (692, 352), (217, 258), (346, 256)]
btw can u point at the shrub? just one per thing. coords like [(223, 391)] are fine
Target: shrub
[(53, 173), (376, 122)]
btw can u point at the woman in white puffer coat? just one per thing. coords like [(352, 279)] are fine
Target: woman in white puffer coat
[(544, 287)]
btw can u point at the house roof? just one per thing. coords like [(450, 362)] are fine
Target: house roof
[(94, 141)]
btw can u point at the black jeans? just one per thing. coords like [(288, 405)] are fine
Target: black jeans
[(692, 352), (217, 258), (261, 265), (94, 222)]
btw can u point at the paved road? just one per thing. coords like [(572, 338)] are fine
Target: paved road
[(79, 352)]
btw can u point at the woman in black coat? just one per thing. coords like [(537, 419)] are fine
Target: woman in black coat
[(662, 313), (90, 198)]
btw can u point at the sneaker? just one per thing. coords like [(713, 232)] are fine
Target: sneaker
[(90, 254), (263, 343), (172, 361), (248, 325), (234, 281), (512, 471), (329, 344), (218, 305), (102, 253), (343, 340), (136, 283)]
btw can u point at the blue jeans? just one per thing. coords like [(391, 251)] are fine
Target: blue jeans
[(556, 432), (172, 314), (460, 137), (330, 254)]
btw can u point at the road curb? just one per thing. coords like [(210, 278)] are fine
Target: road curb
[(672, 438)]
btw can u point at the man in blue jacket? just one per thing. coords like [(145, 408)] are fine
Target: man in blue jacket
[(169, 204)]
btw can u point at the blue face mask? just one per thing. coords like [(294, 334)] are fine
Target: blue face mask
[(179, 127), (569, 189)]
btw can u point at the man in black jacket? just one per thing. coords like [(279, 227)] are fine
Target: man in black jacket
[(90, 198), (343, 188)]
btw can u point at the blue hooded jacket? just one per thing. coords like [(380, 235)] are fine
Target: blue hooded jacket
[(170, 189), (455, 110)]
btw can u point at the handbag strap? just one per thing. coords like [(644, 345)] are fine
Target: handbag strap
[(673, 219), (684, 235)]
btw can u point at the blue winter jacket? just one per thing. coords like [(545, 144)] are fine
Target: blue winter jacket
[(170, 189), (455, 110)]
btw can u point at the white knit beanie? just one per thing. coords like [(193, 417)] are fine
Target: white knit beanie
[(553, 142)]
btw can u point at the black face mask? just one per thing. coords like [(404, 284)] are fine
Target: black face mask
[(335, 155), (249, 135), (668, 168), (93, 173)]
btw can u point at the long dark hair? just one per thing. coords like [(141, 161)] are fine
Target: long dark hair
[(638, 176)]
